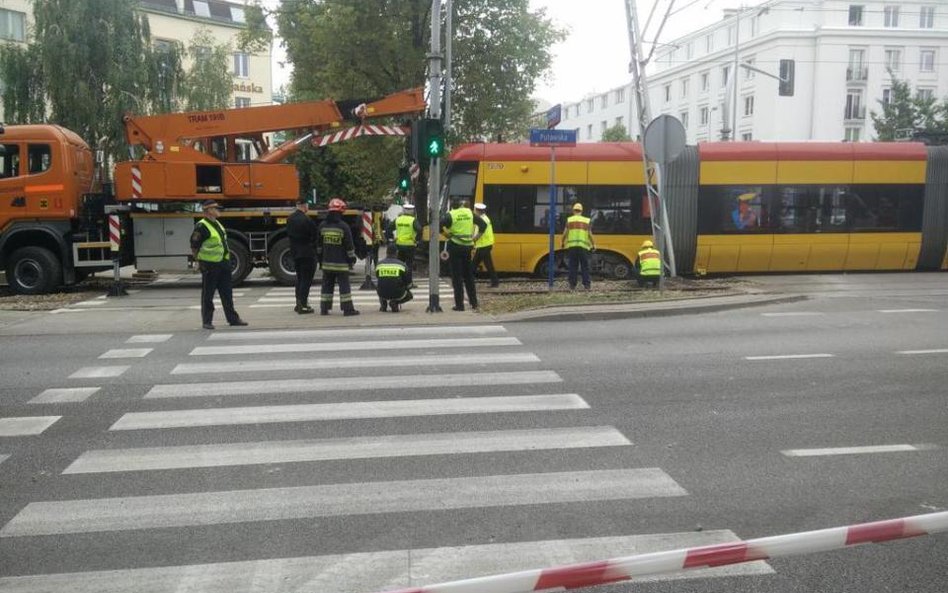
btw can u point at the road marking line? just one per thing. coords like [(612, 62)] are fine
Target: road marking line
[(127, 353), (259, 366), (788, 356), (376, 447), (99, 372), (92, 303), (374, 332), (793, 314), (348, 411), (3, 457), (61, 395), (907, 310), (25, 425), (856, 450), (336, 500), (389, 569), (935, 351), (149, 339), (289, 386), (367, 346)]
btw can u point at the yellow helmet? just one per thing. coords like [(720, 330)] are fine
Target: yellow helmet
[(577, 207), (647, 243)]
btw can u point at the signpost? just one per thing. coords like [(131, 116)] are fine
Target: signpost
[(664, 140), (552, 138)]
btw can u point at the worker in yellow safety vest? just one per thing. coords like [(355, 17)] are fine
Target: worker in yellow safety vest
[(484, 246), (462, 230), (648, 263), (578, 242), (407, 233), (209, 248)]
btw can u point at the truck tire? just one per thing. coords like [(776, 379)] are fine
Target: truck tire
[(282, 266), (240, 264), (34, 270)]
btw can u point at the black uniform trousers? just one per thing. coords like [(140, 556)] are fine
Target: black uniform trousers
[(462, 274), (329, 285), (216, 276), (305, 270), (406, 253), (482, 255)]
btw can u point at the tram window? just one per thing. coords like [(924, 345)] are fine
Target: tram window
[(793, 208), (462, 176), (511, 207), (733, 210), (886, 207), (9, 160), (39, 157), (616, 209)]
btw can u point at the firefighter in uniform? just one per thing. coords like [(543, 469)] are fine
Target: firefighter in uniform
[(209, 249), (459, 225), (407, 233), (484, 246), (301, 230), (336, 254), (648, 263), (392, 281), (578, 241)]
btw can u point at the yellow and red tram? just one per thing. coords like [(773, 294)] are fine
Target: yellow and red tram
[(735, 207)]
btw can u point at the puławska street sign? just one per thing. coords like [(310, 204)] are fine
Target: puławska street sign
[(553, 138)]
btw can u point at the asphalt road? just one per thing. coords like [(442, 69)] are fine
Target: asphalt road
[(383, 457)]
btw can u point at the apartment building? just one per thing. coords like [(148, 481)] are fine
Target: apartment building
[(176, 20), (840, 53)]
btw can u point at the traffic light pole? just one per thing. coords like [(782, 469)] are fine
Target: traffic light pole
[(434, 169)]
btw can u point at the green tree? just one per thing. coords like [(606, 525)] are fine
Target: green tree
[(616, 133), (906, 111), (23, 92), (209, 83)]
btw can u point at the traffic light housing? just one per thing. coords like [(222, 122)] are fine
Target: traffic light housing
[(404, 180), (427, 140), (787, 68)]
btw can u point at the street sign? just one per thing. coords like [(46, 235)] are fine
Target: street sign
[(664, 139), (540, 137), (553, 116)]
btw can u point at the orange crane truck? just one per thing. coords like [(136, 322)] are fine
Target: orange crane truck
[(54, 202)]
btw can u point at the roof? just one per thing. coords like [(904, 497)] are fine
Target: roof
[(591, 151)]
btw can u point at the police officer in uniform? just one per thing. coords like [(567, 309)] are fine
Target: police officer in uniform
[(407, 233), (336, 253), (462, 229), (392, 281), (484, 245), (648, 263), (209, 249), (578, 241), (301, 230)]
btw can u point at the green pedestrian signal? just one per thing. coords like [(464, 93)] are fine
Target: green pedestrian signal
[(434, 138), (404, 180)]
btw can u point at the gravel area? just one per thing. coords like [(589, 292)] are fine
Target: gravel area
[(88, 289)]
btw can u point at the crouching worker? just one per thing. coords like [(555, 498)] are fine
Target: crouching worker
[(648, 264), (392, 281)]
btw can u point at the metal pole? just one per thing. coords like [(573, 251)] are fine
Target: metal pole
[(737, 49), (434, 169), (448, 47), (551, 262)]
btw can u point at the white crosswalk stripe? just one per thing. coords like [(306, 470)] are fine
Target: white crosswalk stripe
[(366, 346), (288, 335), (26, 425)]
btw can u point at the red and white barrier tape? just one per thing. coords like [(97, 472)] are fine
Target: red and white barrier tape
[(602, 572), (115, 232), (367, 233), (355, 132), (136, 183)]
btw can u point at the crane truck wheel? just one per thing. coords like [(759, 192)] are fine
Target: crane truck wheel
[(34, 270), (240, 264), (282, 266)]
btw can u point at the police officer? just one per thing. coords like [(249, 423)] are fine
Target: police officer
[(392, 281), (578, 241), (407, 233), (648, 263), (336, 253), (209, 249), (484, 245), (462, 230), (301, 230)]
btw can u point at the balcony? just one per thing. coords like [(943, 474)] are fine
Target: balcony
[(854, 112), (857, 74)]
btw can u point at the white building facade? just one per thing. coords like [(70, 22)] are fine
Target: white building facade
[(840, 53)]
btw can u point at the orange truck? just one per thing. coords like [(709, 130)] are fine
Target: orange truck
[(54, 200)]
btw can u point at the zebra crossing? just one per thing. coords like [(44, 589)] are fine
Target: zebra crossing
[(475, 442), (285, 296)]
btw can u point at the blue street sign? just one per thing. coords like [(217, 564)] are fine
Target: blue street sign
[(553, 116), (552, 137)]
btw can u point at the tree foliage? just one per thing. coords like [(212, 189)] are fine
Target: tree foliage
[(348, 49), (209, 83), (905, 113), (616, 133)]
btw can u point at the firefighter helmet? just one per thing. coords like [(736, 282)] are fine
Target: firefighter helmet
[(337, 205), (647, 244)]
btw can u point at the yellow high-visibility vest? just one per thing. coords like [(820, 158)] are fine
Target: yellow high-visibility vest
[(487, 237), (650, 262), (577, 232), (405, 231), (212, 249), (462, 226)]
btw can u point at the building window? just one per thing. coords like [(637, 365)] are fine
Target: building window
[(748, 73), (668, 93), (891, 16), (725, 73), (603, 126), (684, 88), (748, 105), (683, 116), (241, 101), (201, 8), (926, 60), (705, 81), (730, 35), (589, 132), (852, 134), (590, 105), (237, 14), (855, 15), (703, 115), (620, 95), (604, 101), (241, 65), (755, 25), (893, 60), (747, 136), (12, 25), (709, 42), (620, 121), (926, 18), (886, 96), (690, 49), (854, 108), (926, 94)]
